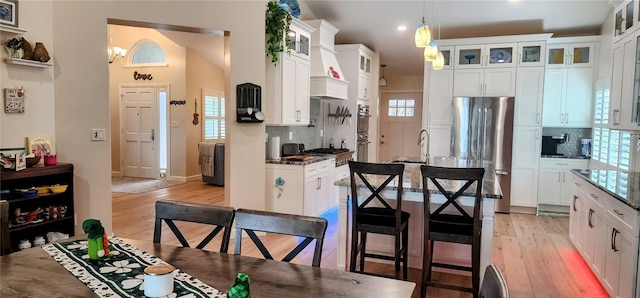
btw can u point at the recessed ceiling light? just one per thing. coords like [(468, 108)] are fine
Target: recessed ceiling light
[(402, 28)]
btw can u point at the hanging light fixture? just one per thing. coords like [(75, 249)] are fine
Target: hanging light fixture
[(431, 51), (438, 62), (383, 81), (114, 53), (423, 34)]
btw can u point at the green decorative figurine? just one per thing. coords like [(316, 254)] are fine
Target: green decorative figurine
[(97, 239), (240, 288)]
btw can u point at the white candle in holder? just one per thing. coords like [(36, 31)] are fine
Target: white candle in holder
[(158, 280)]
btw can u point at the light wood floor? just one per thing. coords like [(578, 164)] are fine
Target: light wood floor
[(534, 253)]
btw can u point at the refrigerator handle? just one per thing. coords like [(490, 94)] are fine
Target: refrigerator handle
[(479, 136), (484, 134)]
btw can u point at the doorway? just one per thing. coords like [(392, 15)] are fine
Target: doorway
[(144, 137), (400, 122)]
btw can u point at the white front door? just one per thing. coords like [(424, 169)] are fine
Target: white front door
[(139, 122), (400, 122)]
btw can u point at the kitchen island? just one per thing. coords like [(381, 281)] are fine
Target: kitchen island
[(413, 203)]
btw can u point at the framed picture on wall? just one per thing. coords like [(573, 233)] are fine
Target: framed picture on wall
[(9, 13), (13, 101)]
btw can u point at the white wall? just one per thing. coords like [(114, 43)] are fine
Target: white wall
[(39, 117), (82, 89)]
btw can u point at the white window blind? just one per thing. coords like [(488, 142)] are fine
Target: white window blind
[(214, 122), (625, 150), (597, 140), (614, 147)]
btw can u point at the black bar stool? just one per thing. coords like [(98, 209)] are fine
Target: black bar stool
[(367, 218), (455, 224)]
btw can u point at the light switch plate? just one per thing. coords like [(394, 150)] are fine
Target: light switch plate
[(98, 134), (291, 135)]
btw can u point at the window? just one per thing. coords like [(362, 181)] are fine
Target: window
[(148, 53), (401, 107), (213, 116)]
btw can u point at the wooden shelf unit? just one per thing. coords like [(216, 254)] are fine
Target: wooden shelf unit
[(24, 62), (34, 177)]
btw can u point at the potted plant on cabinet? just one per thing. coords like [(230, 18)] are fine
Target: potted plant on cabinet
[(277, 24)]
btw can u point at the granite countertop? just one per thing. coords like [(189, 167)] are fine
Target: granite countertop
[(565, 156), (316, 158), (628, 193), (412, 180)]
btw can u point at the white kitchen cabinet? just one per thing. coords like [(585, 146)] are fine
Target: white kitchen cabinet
[(355, 62), (287, 83), (625, 19), (439, 97), (622, 84), (287, 197), (303, 190), (567, 97), (440, 140), (448, 55), (606, 234), (486, 55), (299, 40), (577, 207), (484, 82), (620, 259), (528, 101), (525, 165), (569, 55), (531, 53), (555, 180)]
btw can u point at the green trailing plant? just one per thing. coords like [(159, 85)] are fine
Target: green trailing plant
[(277, 25)]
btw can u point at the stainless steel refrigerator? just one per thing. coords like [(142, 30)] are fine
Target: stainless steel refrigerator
[(483, 129)]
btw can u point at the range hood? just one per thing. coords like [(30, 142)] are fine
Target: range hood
[(327, 79)]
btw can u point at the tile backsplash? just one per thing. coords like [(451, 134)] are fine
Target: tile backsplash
[(309, 135), (573, 145)]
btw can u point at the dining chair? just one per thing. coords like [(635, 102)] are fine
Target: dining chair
[(252, 221), (377, 216), (219, 216), (494, 284), (451, 222), (5, 243)]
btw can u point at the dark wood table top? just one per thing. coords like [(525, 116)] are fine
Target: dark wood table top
[(33, 273)]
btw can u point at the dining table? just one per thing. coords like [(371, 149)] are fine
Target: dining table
[(35, 273)]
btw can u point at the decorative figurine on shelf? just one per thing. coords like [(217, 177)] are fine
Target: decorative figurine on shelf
[(240, 287), (27, 51), (40, 53), (97, 241), (334, 73)]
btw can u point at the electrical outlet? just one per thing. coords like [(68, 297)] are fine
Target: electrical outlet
[(266, 137), (291, 135), (322, 133)]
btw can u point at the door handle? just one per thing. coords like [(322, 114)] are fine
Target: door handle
[(153, 134), (589, 221), (574, 203), (614, 235), (615, 113)]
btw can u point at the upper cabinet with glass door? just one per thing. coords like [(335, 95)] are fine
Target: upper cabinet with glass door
[(570, 55), (531, 53), (299, 38), (626, 19), (489, 55)]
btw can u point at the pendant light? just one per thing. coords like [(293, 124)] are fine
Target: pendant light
[(423, 34), (431, 51), (383, 81), (438, 62)]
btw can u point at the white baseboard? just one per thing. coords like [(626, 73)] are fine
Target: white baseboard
[(524, 210)]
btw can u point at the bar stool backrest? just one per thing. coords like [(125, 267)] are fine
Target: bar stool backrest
[(372, 175)]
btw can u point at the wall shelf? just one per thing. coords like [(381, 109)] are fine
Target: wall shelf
[(27, 62), (14, 30)]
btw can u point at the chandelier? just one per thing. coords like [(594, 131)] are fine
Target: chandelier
[(115, 53), (423, 34)]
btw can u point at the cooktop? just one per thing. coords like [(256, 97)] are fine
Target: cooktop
[(327, 150)]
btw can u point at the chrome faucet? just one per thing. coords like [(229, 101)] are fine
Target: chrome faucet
[(423, 141)]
